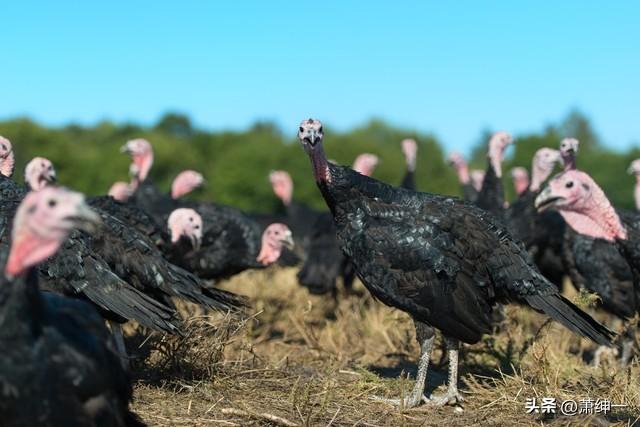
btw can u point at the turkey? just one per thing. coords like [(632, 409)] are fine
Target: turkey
[(134, 257), (634, 169), (212, 251), (520, 177), (77, 271), (39, 173), (58, 366), (410, 151), (470, 188), (441, 260), (601, 249), (569, 148), (491, 195), (598, 266), (542, 233)]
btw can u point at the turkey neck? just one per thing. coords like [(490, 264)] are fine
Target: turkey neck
[(636, 192), (463, 174), (538, 176), (320, 164), (20, 307), (7, 164), (569, 162)]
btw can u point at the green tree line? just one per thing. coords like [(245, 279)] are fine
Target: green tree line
[(236, 163)]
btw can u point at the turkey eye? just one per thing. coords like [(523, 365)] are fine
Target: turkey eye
[(301, 129), (569, 184), (191, 219), (320, 130), (52, 203), (4, 147), (197, 227)]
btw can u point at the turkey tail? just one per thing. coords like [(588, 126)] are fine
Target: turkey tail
[(189, 286), (573, 318), (132, 304), (226, 301), (113, 294)]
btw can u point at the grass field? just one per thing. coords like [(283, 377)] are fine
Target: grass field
[(303, 360)]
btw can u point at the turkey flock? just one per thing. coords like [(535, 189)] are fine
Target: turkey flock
[(76, 269)]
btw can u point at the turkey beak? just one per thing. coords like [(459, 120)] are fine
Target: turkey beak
[(86, 218), (312, 137), (631, 171), (287, 240), (125, 149), (546, 199)]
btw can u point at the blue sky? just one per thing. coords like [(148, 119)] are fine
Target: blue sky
[(453, 68)]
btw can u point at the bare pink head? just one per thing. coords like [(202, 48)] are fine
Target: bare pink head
[(188, 223), (520, 178), (39, 173), (275, 237), (460, 165), (185, 183), (142, 155), (410, 151), (569, 149), (42, 223), (120, 191), (477, 178), (365, 164), (544, 161), (7, 161), (583, 205), (282, 186), (497, 145)]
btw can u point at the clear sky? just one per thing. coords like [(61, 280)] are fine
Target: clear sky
[(450, 67)]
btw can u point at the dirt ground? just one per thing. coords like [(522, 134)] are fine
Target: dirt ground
[(302, 360)]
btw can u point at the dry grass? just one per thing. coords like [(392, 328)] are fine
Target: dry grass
[(302, 361)]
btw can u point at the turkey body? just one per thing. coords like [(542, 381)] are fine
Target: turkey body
[(78, 271), (439, 259), (491, 195), (597, 265), (58, 365)]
